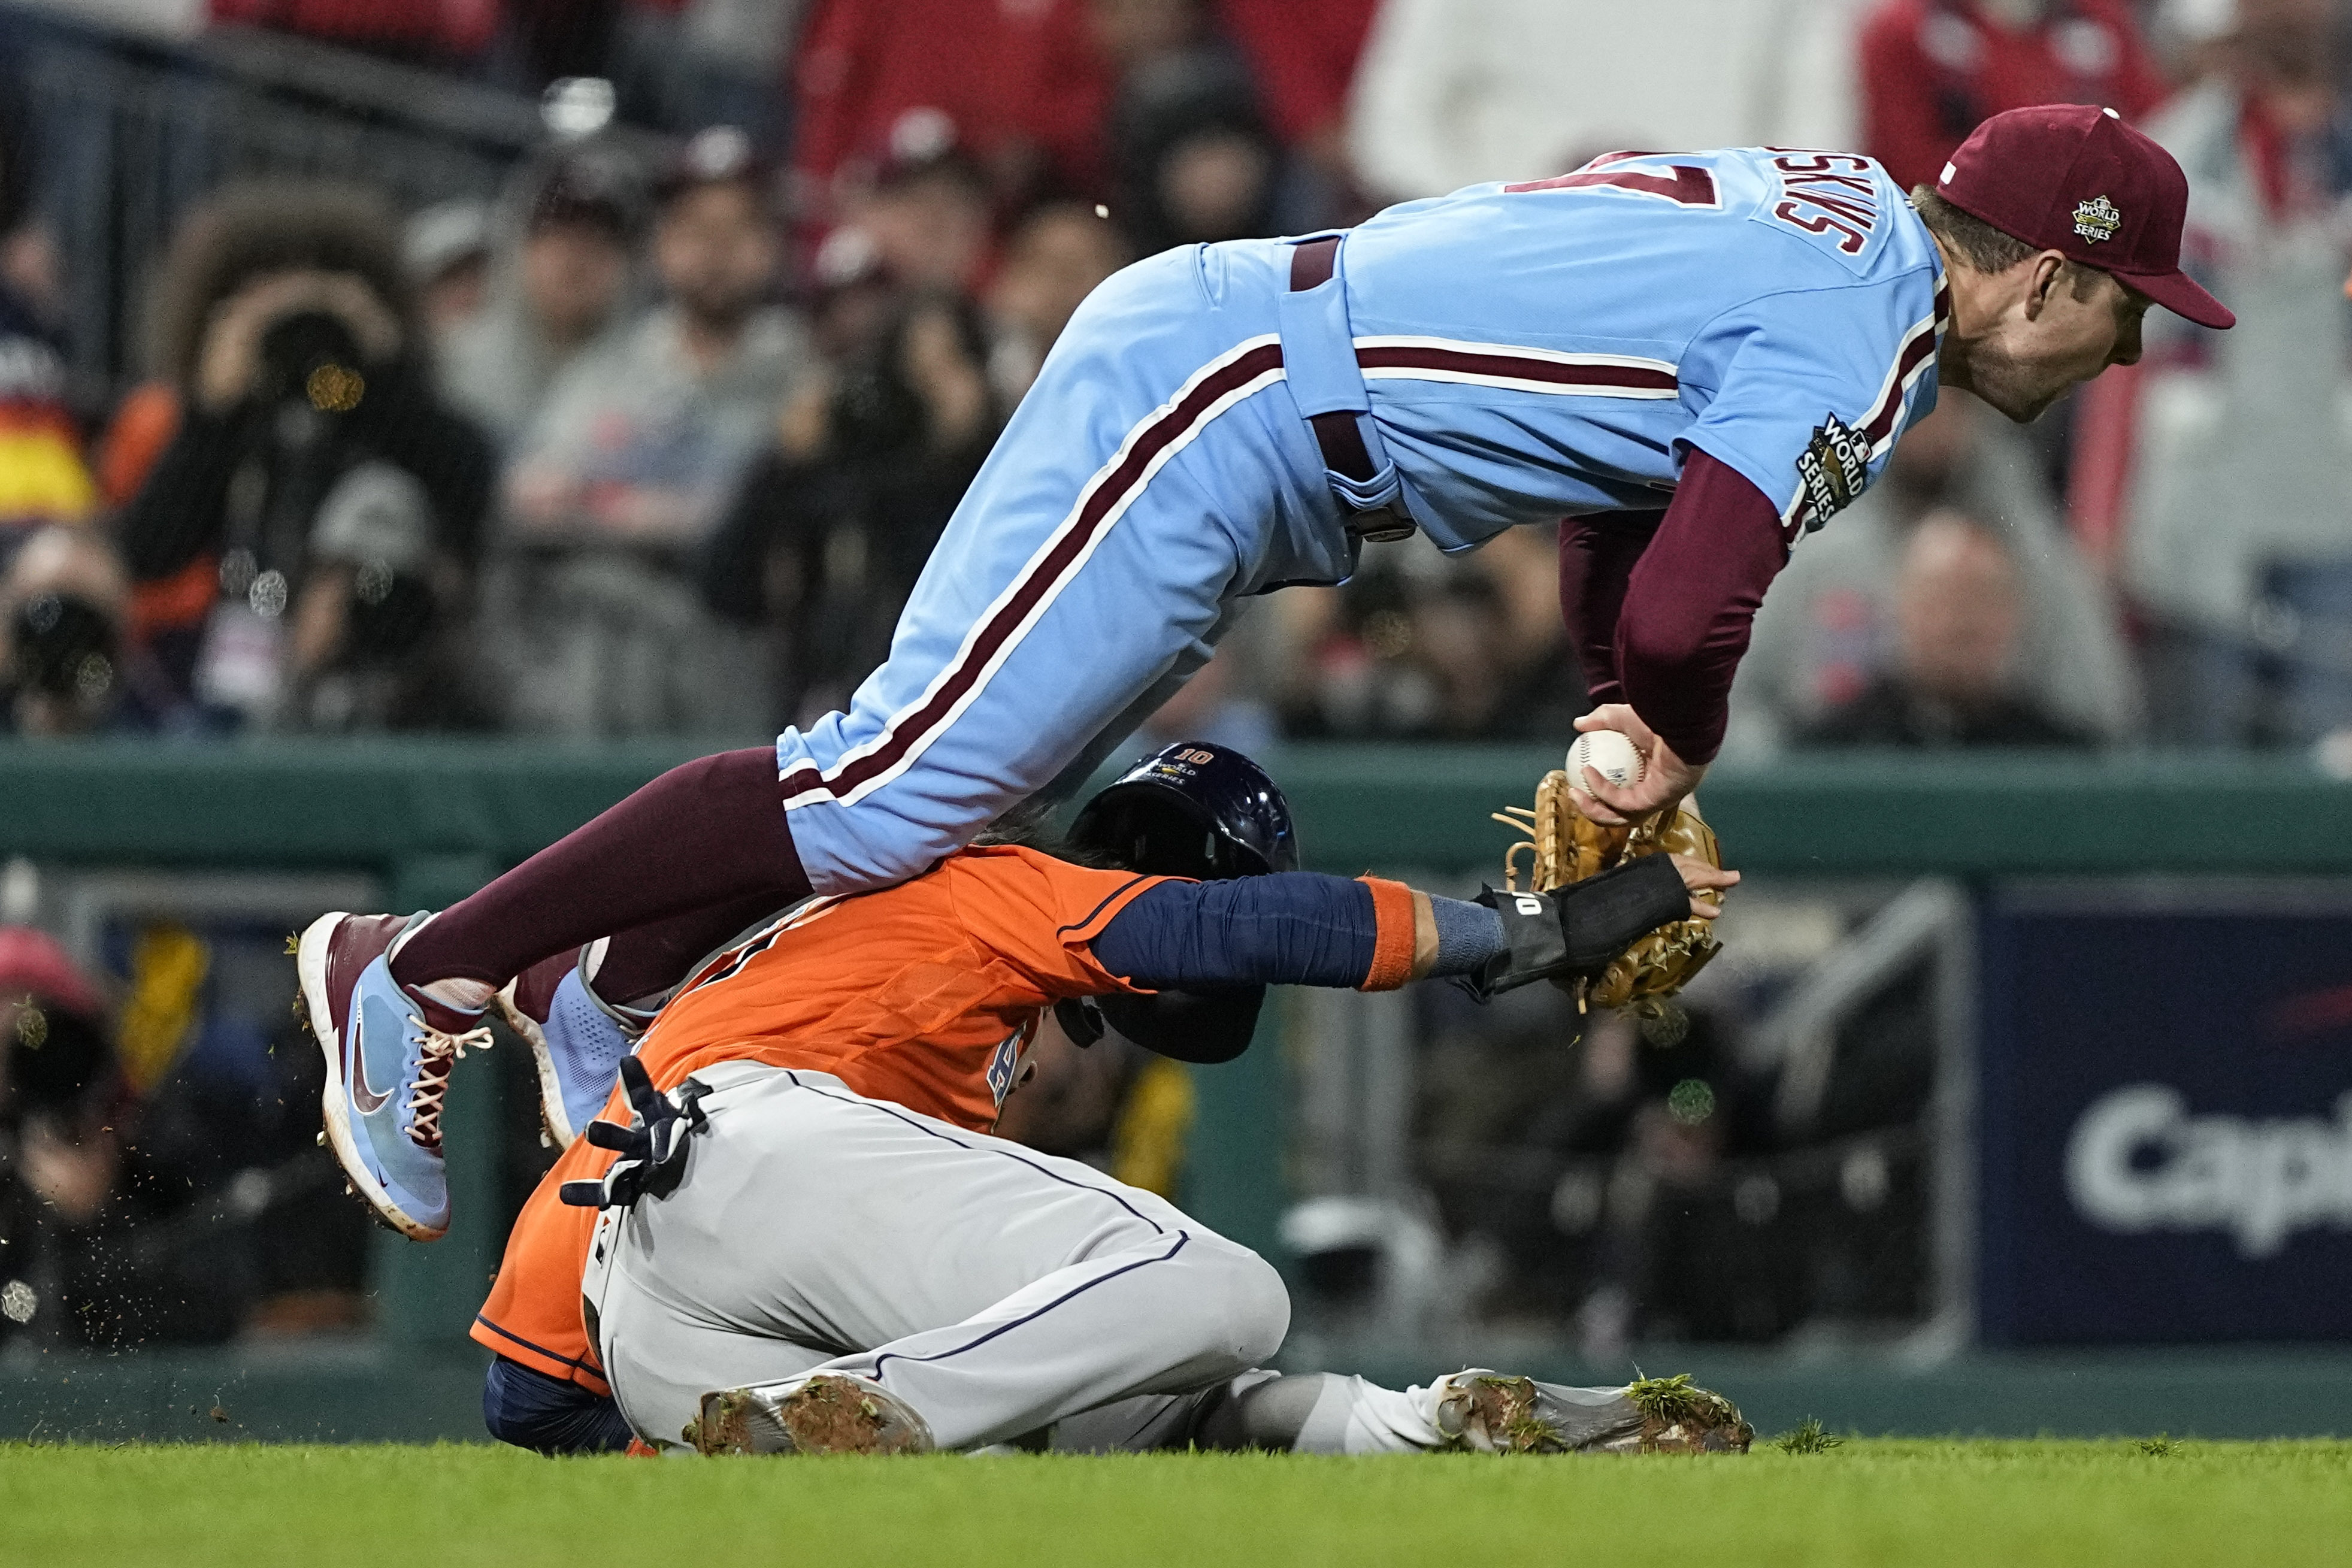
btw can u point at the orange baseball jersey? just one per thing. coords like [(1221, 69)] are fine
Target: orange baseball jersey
[(925, 993)]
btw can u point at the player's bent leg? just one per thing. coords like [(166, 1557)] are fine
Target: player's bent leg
[(705, 836), (1154, 474), (991, 1288), (1158, 1319), (392, 1001)]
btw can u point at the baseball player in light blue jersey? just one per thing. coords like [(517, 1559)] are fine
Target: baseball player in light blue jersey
[(1697, 358)]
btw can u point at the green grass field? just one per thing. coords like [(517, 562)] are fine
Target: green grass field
[(2005, 1504)]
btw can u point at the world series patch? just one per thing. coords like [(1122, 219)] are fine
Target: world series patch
[(2097, 219), (1834, 468)]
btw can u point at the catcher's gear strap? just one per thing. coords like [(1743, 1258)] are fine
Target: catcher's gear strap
[(1580, 928), (1392, 934), (1605, 915)]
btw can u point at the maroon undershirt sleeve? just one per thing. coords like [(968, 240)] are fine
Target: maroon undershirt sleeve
[(1597, 553), (1662, 616)]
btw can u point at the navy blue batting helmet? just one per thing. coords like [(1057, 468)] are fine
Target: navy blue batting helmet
[(1193, 809)]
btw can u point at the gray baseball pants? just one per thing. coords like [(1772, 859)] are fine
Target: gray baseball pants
[(996, 1289)]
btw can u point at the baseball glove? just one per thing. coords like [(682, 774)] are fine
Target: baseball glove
[(1563, 847)]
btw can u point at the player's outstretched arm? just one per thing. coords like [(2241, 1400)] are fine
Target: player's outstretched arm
[(1301, 928), (1667, 630)]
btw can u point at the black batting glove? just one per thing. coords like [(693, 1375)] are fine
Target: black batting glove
[(653, 1147)]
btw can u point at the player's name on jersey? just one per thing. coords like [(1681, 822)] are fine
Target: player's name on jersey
[(1827, 193)]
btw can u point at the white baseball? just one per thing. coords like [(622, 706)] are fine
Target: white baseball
[(1609, 754)]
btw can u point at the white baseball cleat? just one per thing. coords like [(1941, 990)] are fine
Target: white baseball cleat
[(576, 1042), (1486, 1413), (826, 1413)]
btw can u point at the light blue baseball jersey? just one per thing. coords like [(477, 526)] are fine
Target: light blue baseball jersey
[(1540, 350), (1508, 354)]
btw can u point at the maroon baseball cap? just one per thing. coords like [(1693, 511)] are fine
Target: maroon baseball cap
[(2074, 178)]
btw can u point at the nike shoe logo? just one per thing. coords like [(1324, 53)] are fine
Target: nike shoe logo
[(365, 1099)]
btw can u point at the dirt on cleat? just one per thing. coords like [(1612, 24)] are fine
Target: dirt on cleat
[(826, 1415), (1680, 1417), (1489, 1413), (724, 1426), (1497, 1415)]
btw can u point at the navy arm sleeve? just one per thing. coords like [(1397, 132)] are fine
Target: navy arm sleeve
[(1294, 928)]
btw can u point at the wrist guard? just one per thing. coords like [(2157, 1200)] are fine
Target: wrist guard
[(1577, 930)]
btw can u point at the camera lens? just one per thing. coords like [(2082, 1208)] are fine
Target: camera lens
[(64, 645)]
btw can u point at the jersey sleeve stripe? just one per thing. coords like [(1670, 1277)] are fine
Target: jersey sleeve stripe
[(1912, 358), (1918, 347), (1089, 927), (557, 1364)]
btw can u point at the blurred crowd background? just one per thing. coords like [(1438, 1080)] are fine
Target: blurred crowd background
[(598, 369), (651, 438)]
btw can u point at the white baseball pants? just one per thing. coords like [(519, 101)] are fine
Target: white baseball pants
[(994, 1288)]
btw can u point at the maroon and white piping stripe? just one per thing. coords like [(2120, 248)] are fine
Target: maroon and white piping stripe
[(1516, 368), (1245, 369), (1912, 358)]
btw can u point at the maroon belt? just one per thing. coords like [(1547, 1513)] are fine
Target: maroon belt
[(1342, 442), (1344, 452)]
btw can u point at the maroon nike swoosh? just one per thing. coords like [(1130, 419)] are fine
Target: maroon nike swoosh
[(355, 1074)]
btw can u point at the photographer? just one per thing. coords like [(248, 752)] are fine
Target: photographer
[(59, 1154), (66, 668), (315, 513), (830, 530)]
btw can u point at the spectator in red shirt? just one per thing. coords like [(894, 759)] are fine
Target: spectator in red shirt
[(427, 32), (1932, 69), (1304, 57), (1017, 78)]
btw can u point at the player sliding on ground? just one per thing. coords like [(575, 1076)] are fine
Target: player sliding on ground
[(1697, 358), (809, 1242)]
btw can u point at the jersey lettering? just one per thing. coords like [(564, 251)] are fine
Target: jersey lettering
[(1685, 186), (1838, 189)]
